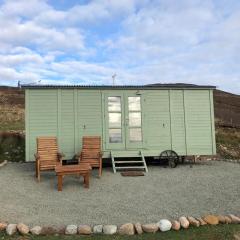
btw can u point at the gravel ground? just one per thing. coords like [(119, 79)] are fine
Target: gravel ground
[(212, 187)]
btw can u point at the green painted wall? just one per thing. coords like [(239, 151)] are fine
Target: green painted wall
[(181, 120), (177, 116), (157, 117)]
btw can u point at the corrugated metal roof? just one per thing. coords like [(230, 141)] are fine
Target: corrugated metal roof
[(149, 86)]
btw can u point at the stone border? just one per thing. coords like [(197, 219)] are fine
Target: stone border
[(3, 163), (126, 229)]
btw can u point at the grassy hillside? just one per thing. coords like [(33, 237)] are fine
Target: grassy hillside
[(11, 109), (227, 122), (227, 119)]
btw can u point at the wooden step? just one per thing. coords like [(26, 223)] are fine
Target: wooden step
[(130, 161), (133, 167)]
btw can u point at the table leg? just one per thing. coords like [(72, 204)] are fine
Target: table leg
[(86, 180), (60, 182)]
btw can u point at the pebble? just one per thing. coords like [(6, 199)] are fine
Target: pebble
[(221, 219), (138, 228), (98, 229), (109, 229), (3, 226), (211, 219), (22, 228), (84, 229), (150, 227), (227, 220), (184, 222), (126, 229), (176, 225), (193, 221), (71, 229), (36, 230), (11, 229), (234, 218), (201, 221), (164, 225)]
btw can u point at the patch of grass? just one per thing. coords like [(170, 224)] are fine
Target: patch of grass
[(219, 232), (11, 117), (229, 136), (12, 147), (228, 142), (15, 126)]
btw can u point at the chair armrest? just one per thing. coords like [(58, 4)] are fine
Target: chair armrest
[(100, 154), (60, 157), (37, 156), (78, 156)]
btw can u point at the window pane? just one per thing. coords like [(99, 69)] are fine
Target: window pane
[(135, 134), (114, 120), (115, 135), (134, 103), (135, 119), (114, 104)]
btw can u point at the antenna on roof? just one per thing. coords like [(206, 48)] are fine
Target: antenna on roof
[(31, 83), (113, 78)]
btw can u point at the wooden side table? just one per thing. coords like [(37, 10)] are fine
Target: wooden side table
[(82, 169)]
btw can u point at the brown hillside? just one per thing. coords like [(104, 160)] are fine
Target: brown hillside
[(227, 108), (11, 108)]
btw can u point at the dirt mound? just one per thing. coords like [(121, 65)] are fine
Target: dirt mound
[(227, 109), (11, 96), (11, 108)]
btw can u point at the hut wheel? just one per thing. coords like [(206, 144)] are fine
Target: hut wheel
[(171, 157)]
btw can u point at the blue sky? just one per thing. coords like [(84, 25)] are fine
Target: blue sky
[(142, 41)]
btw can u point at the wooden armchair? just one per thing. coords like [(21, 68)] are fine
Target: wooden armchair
[(47, 156), (91, 152)]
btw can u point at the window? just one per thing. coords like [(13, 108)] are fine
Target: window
[(114, 119), (135, 119)]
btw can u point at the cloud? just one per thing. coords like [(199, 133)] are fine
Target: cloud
[(143, 41), (23, 8)]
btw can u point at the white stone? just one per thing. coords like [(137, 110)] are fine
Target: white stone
[(36, 230), (22, 228), (164, 225), (184, 222), (138, 228), (11, 229), (71, 229), (98, 229), (109, 229)]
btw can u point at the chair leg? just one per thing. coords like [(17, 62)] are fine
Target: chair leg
[(38, 171), (100, 169), (39, 176), (86, 180)]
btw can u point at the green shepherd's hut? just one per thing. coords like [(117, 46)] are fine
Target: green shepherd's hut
[(133, 121)]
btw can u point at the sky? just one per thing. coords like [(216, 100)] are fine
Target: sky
[(141, 41)]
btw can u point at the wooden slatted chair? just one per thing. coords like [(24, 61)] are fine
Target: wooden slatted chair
[(47, 156), (91, 152)]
